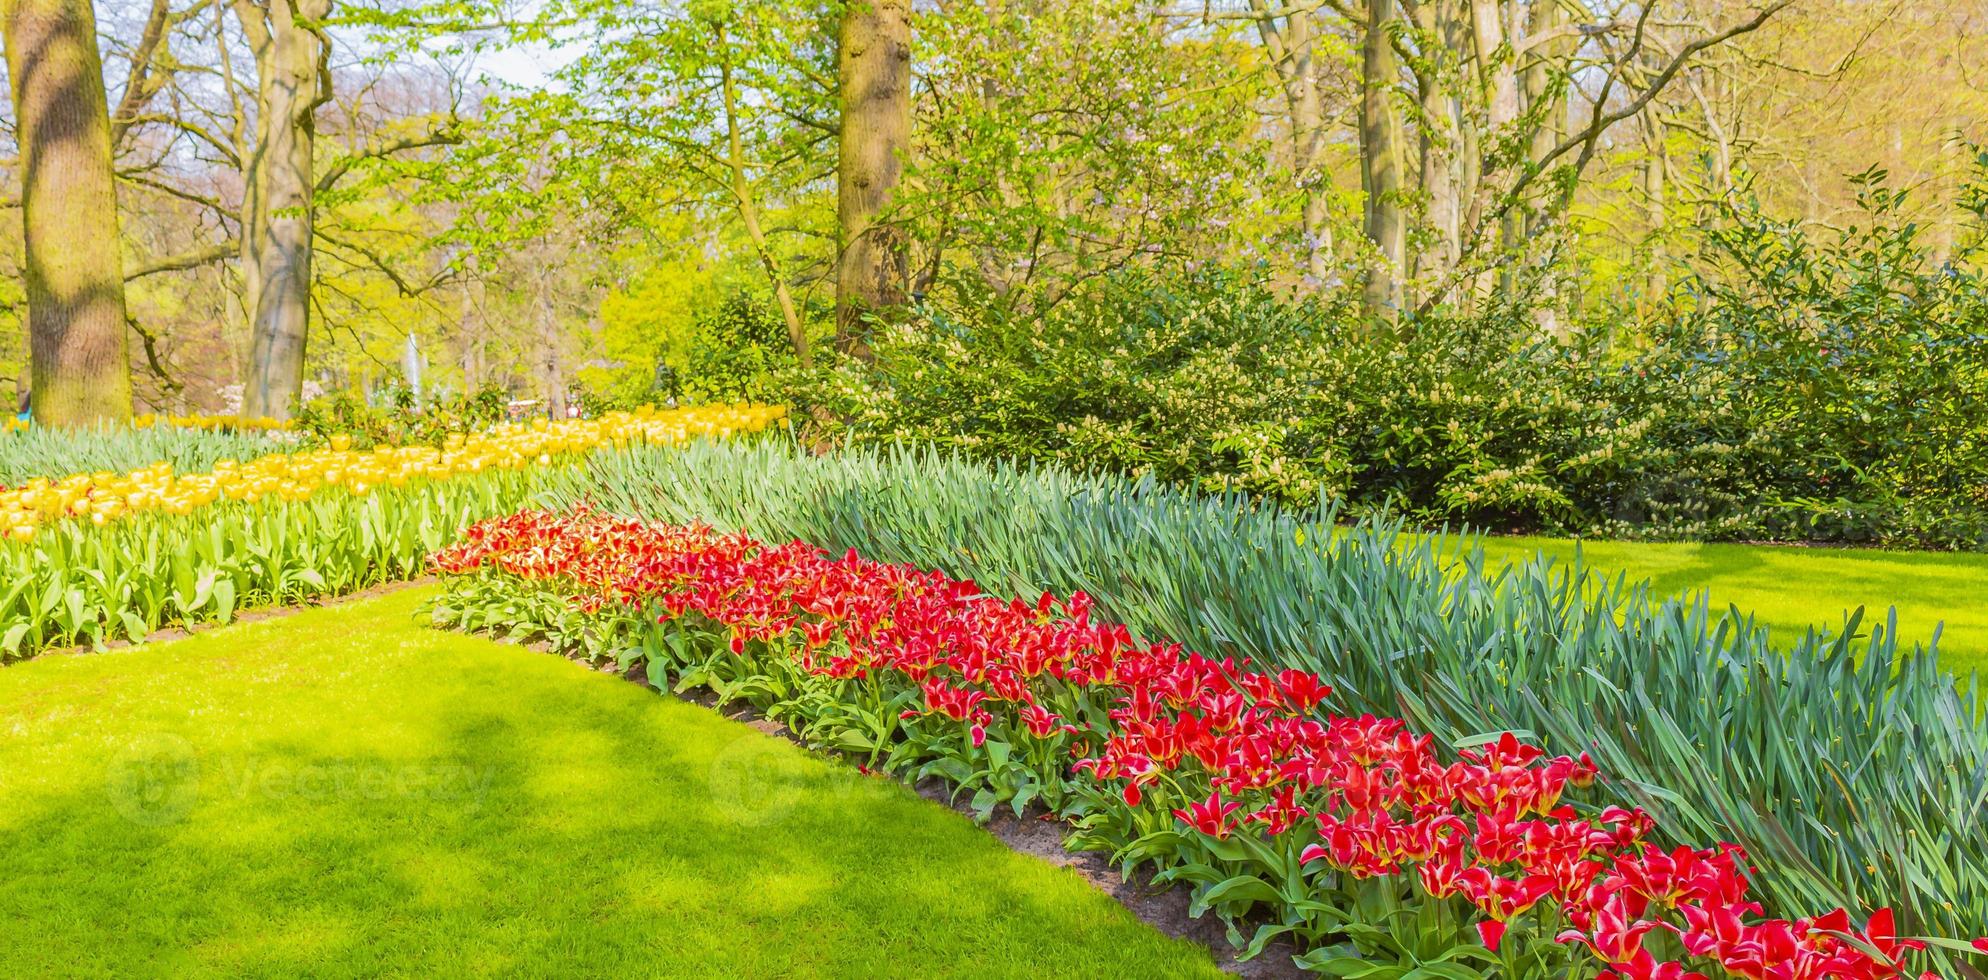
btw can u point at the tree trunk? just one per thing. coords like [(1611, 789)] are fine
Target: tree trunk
[(551, 360), (278, 206), (1494, 65), (470, 331), (1545, 99), (1949, 180), (1380, 162), (1438, 143), (1293, 56), (1500, 85), (1656, 166), (748, 206), (873, 61), (78, 352)]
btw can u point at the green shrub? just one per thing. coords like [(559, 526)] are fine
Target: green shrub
[(1798, 389), (1855, 774), (398, 423), (1189, 381)]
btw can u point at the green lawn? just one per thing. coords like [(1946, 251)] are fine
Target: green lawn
[(344, 792), (1790, 589)]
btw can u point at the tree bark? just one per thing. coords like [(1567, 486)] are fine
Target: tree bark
[(545, 314), (1438, 136), (471, 332), (292, 80), (1381, 162), (873, 61), (79, 354)]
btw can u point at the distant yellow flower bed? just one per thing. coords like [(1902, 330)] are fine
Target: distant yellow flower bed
[(229, 423), (105, 496)]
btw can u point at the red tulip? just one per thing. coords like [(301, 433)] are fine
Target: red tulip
[(1210, 816), (1302, 691)]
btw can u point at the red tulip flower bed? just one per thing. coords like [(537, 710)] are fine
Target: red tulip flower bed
[(1362, 842)]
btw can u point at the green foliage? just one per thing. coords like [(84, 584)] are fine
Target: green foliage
[(1057, 142), (740, 345), (1854, 773), (399, 423), (1843, 379), (26, 454), (684, 331), (1180, 379), (1812, 390)]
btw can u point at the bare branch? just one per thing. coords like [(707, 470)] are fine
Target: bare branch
[(185, 260)]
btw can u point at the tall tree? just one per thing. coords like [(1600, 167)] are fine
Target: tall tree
[(873, 60), (1290, 35), (79, 357), (1381, 160), (292, 80)]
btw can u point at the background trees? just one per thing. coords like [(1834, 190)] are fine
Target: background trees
[(300, 186)]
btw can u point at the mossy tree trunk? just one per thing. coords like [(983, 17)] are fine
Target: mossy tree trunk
[(77, 348), (279, 208), (874, 74)]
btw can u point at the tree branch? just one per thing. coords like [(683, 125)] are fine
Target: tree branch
[(152, 359), (185, 260), (448, 135)]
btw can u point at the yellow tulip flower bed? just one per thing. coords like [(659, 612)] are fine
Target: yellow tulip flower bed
[(222, 423), (102, 497), (99, 557)]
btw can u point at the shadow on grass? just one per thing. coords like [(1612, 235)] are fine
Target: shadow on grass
[(528, 817)]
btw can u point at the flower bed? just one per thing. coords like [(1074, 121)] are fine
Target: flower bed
[(98, 557), (1848, 765), (105, 496), (1376, 851)]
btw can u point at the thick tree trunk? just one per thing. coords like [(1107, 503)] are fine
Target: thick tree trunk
[(278, 207), (1494, 64), (874, 74), (77, 348), (1381, 163)]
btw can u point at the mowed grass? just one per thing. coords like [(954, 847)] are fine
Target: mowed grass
[(344, 792), (1790, 589)]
